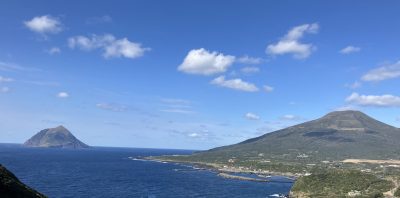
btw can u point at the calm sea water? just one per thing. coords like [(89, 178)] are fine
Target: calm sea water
[(108, 172)]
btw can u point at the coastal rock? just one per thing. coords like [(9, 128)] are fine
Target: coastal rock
[(11, 187), (58, 137)]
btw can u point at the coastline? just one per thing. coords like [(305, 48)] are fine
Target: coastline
[(221, 168)]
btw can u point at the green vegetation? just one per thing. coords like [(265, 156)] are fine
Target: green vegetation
[(397, 192), (318, 147), (340, 183)]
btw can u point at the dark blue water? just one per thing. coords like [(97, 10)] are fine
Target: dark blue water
[(108, 172)]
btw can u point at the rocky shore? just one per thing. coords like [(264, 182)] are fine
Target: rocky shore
[(221, 168), (230, 176)]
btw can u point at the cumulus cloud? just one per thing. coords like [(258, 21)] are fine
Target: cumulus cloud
[(236, 83), (250, 70), (383, 73), (290, 43), (349, 49), (203, 62), (112, 107), (250, 60), (63, 95), (5, 79), (44, 24), (251, 116), (374, 100), (111, 46), (268, 88)]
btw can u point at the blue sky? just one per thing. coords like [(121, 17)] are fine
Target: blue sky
[(192, 74)]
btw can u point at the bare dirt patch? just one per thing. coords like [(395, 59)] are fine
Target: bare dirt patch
[(358, 161)]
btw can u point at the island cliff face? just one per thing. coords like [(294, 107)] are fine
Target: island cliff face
[(58, 137), (11, 187)]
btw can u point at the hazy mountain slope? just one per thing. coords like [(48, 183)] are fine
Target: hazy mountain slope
[(58, 137), (337, 135)]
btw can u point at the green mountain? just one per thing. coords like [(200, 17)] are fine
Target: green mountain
[(58, 137), (336, 136), (11, 187)]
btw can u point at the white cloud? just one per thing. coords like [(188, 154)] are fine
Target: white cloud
[(111, 46), (268, 88), (383, 73), (53, 50), (63, 95), (249, 70), (349, 49), (123, 47), (290, 43), (203, 62), (194, 135), (112, 107), (354, 85), (5, 79), (4, 89), (204, 135), (251, 116), (290, 117), (195, 132), (374, 100), (250, 60), (44, 24), (236, 83)]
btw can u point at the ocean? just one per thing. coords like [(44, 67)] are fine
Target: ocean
[(114, 172)]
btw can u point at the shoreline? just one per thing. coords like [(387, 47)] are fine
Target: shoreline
[(218, 169), (237, 177)]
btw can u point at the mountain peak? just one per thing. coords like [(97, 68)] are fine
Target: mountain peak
[(59, 137), (61, 127), (349, 120), (346, 113), (337, 135)]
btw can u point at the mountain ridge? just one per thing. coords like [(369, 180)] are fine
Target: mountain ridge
[(336, 136)]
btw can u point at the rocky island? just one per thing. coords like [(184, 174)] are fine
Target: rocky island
[(58, 137), (342, 154)]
